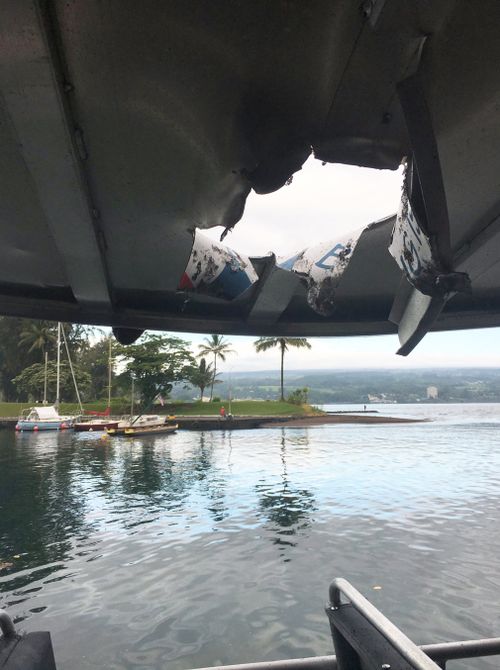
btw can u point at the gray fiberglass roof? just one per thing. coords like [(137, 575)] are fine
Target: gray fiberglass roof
[(126, 128)]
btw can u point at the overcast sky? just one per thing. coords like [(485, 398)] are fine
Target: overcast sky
[(321, 203)]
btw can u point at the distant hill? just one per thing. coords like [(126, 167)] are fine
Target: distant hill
[(363, 386)]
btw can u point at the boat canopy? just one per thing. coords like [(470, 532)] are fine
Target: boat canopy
[(126, 128), (44, 414)]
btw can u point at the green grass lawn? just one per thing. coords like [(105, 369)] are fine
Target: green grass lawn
[(12, 408), (118, 406)]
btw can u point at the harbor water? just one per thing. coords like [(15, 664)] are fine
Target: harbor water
[(196, 549)]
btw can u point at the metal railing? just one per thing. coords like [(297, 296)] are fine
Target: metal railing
[(417, 658), (429, 656), (421, 658), (452, 651), (440, 653)]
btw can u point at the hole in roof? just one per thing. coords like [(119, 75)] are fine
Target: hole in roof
[(321, 203)]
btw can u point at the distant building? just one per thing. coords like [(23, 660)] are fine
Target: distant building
[(382, 398), (432, 392)]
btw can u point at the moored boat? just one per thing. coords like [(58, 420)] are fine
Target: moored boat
[(162, 429), (96, 424), (140, 421), (43, 418), (100, 420)]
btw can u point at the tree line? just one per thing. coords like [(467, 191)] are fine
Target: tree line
[(28, 352)]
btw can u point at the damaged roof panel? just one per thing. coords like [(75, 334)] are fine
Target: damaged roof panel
[(157, 119)]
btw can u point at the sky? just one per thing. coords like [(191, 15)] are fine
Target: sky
[(321, 203)]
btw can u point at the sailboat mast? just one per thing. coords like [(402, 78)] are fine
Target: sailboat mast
[(58, 378), (132, 398), (45, 378), (72, 370), (109, 373)]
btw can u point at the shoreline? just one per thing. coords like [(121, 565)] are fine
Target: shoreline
[(251, 422), (277, 421), (305, 421)]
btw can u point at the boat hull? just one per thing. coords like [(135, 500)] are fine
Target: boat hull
[(115, 431), (150, 430), (36, 426), (141, 422)]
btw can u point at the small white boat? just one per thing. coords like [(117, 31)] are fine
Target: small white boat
[(47, 417), (43, 418)]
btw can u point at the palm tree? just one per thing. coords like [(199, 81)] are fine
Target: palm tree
[(265, 343), (215, 346), (38, 335), (203, 376)]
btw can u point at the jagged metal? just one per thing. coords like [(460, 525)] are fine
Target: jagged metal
[(412, 250), (322, 267), (216, 270), (220, 272)]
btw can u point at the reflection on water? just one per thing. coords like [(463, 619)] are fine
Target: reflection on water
[(285, 506), (201, 548)]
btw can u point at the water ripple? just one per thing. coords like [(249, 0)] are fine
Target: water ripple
[(199, 549)]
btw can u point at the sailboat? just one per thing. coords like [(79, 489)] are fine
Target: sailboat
[(97, 424), (47, 417), (143, 424), (104, 422)]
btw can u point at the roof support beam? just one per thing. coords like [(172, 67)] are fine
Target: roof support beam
[(275, 292), (31, 86)]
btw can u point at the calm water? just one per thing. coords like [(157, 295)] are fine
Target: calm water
[(203, 548)]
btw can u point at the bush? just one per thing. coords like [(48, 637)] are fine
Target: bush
[(298, 397), (216, 399)]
